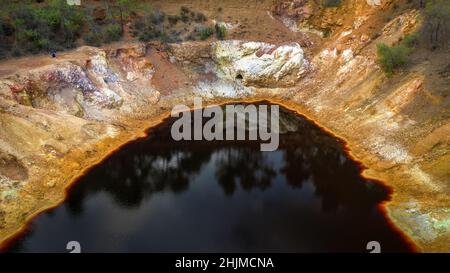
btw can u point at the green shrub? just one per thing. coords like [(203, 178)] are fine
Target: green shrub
[(173, 19), (156, 17), (391, 58), (147, 28), (16, 52), (436, 27), (221, 31), (33, 26), (192, 36), (113, 33), (184, 10), (200, 18), (38, 28), (410, 40), (201, 33), (148, 35), (205, 33), (165, 37)]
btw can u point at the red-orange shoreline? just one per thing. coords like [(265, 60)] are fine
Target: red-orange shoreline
[(19, 233)]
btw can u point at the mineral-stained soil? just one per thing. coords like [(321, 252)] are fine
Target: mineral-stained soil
[(59, 117)]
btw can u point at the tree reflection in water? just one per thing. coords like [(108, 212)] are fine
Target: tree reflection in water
[(296, 198)]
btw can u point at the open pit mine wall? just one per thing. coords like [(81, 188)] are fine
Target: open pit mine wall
[(57, 119)]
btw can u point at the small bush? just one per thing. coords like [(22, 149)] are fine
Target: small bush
[(175, 36), (327, 32), (200, 18), (165, 38), (148, 27), (184, 18), (37, 28), (184, 10), (184, 14), (113, 33), (173, 19), (221, 31), (192, 36), (148, 35), (410, 41), (436, 27), (93, 39)]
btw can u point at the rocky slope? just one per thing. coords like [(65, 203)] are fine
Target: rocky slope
[(60, 117)]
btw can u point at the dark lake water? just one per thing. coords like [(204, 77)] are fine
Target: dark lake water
[(158, 195)]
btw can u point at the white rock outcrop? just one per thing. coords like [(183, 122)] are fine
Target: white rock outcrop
[(374, 2), (260, 64)]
